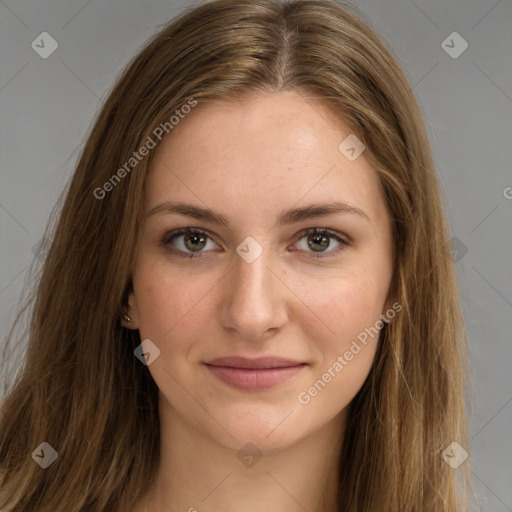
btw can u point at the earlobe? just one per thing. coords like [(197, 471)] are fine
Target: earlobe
[(129, 318)]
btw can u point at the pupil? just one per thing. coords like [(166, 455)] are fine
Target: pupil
[(194, 239), (319, 239)]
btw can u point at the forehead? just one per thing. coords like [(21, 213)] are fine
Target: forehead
[(269, 149)]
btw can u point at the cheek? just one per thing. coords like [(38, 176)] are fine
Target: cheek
[(344, 331), (345, 350), (172, 305), (340, 308)]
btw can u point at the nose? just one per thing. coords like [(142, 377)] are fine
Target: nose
[(255, 300)]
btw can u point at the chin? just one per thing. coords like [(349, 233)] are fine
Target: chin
[(269, 428)]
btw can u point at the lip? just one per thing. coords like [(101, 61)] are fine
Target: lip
[(254, 374)]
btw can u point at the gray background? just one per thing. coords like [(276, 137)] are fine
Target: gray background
[(47, 106)]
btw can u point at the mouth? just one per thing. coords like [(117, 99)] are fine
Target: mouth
[(254, 374)]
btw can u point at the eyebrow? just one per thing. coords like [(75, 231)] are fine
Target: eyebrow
[(286, 217)]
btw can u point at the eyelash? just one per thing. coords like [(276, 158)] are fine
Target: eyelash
[(171, 236)]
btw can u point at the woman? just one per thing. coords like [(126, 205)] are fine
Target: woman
[(249, 301)]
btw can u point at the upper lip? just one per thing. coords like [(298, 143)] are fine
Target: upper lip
[(258, 363)]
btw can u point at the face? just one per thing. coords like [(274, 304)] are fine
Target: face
[(264, 272)]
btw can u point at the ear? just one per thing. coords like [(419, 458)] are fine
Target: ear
[(131, 310)]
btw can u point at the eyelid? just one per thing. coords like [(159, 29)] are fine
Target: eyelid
[(176, 233), (171, 235), (343, 239)]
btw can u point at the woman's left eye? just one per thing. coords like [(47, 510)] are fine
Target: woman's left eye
[(190, 242), (319, 240)]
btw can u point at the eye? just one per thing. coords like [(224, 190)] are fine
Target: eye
[(318, 241), (188, 241)]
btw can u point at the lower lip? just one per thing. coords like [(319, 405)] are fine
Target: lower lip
[(254, 379)]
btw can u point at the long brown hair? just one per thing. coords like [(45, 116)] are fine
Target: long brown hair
[(80, 388)]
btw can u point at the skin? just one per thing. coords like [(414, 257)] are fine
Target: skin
[(249, 162)]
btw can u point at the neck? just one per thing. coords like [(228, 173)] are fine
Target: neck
[(196, 473)]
